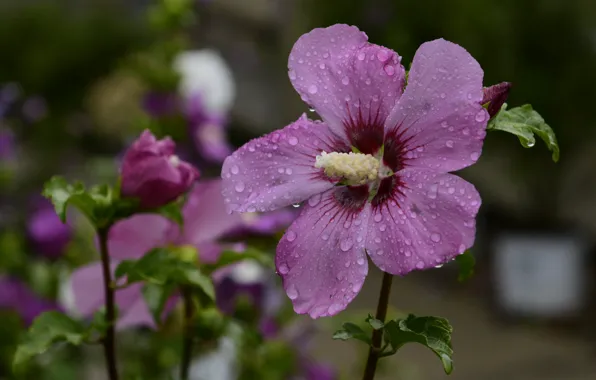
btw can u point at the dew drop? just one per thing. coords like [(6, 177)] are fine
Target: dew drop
[(314, 200), (435, 237), (292, 292), (444, 124), (291, 236), (461, 248), (378, 217), (443, 95), (474, 156), (293, 140), (312, 89), (480, 116), (345, 81), (234, 169), (292, 74), (296, 205), (239, 187), (451, 190), (322, 66), (439, 266), (389, 70), (380, 252), (419, 265), (346, 244), (382, 55), (289, 171), (360, 261), (283, 269), (361, 56), (408, 242), (449, 143)]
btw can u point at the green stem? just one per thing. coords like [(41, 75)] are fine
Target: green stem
[(377, 336), (187, 335), (109, 340)]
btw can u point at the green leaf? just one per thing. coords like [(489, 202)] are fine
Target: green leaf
[(466, 263), (62, 194), (173, 212), (374, 323), (164, 267), (352, 331), (156, 297), (230, 257), (432, 332), (49, 328), (524, 122)]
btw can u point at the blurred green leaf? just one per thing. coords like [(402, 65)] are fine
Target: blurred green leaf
[(47, 329), (156, 297), (62, 194), (172, 211), (374, 323), (229, 257), (466, 263), (163, 267), (524, 122), (352, 331), (431, 332)]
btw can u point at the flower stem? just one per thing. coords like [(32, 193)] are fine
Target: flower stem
[(377, 336), (187, 335), (109, 340)]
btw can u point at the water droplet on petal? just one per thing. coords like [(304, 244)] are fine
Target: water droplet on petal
[(291, 236), (382, 55), (449, 143), (314, 200), (380, 252), (408, 242), (389, 70), (419, 265), (378, 217), (292, 74), (293, 140), (296, 205), (361, 56), (292, 292), (474, 156), (289, 171), (322, 66), (234, 169), (435, 237), (346, 244), (461, 248), (443, 95), (239, 187), (312, 89), (360, 261), (283, 269), (481, 116), (345, 81)]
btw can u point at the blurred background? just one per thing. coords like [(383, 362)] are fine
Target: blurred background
[(79, 79)]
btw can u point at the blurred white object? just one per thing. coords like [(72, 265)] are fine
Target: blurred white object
[(219, 364), (539, 275), (206, 74)]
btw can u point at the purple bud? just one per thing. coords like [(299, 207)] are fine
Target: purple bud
[(495, 96), (49, 235), (152, 172)]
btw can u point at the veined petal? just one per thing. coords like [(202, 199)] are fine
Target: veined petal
[(278, 169), (132, 238), (321, 257), (439, 122), (345, 78), (205, 215), (427, 222)]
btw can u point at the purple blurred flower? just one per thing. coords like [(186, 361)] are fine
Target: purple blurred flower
[(394, 199), (47, 232), (160, 104), (265, 224), (16, 296), (153, 174), (495, 95), (34, 109), (205, 220), (7, 144), (318, 371)]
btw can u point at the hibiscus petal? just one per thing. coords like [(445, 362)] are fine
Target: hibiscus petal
[(431, 223), (336, 71), (439, 121), (278, 169), (88, 291), (321, 257), (132, 238), (205, 215)]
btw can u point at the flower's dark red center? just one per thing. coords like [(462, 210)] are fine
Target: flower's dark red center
[(365, 133)]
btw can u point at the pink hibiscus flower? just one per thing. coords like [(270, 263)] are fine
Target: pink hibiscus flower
[(205, 220), (374, 172)]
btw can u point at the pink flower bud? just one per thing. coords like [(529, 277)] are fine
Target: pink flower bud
[(495, 96), (152, 172)]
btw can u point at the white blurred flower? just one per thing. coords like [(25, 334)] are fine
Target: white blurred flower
[(206, 74), (219, 364)]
